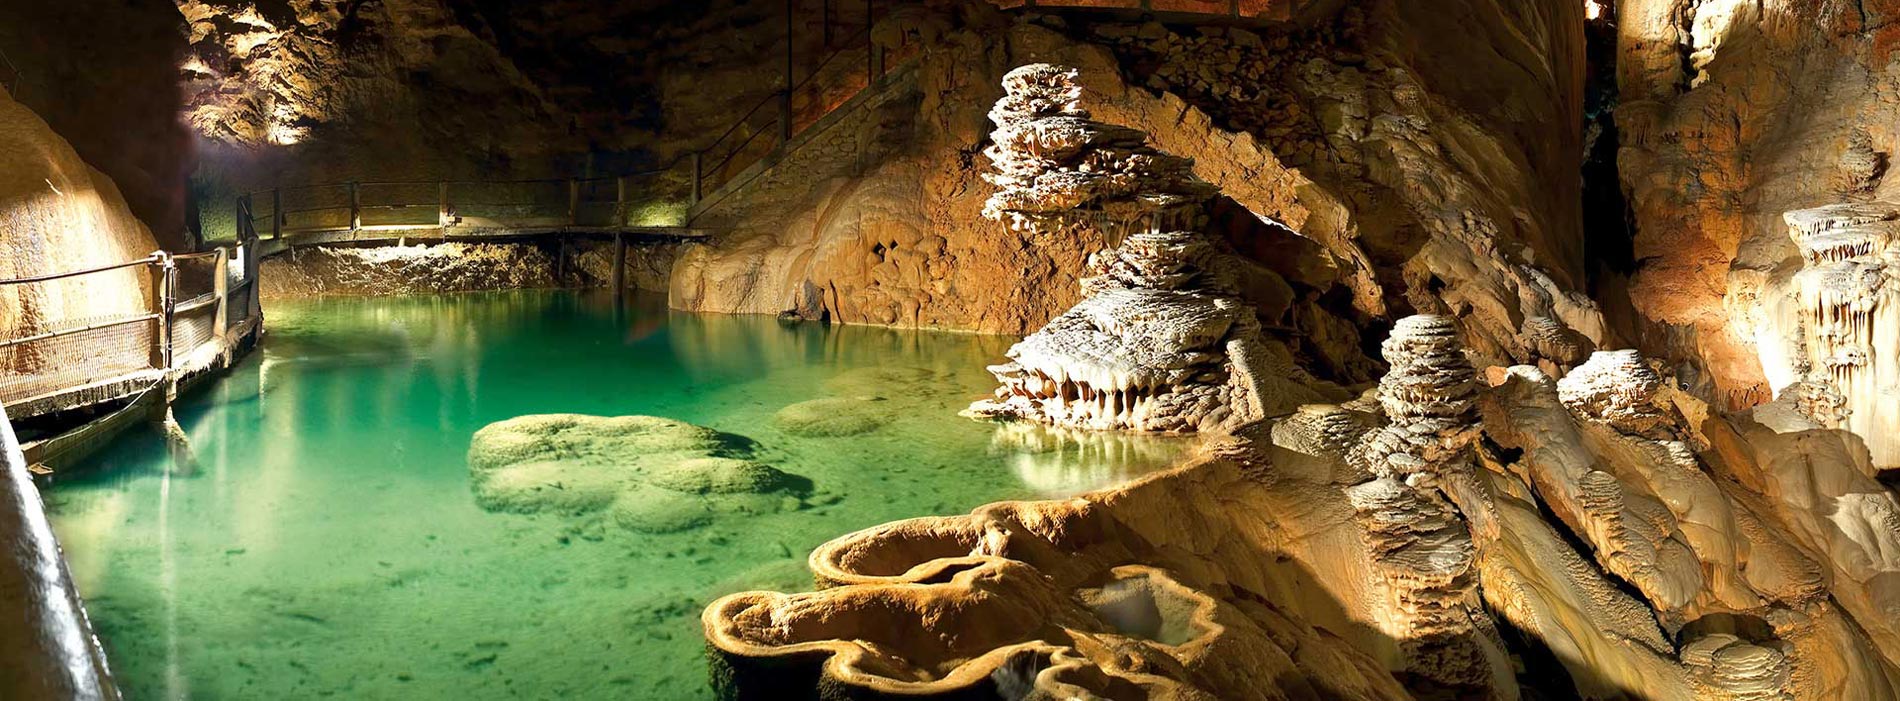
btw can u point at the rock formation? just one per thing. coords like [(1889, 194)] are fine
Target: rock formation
[(1020, 600), (647, 473), (1421, 543), (1836, 329), (57, 215), (412, 269), (1161, 341), (1689, 556)]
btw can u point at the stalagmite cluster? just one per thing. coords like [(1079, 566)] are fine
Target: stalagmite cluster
[(1420, 542), (1154, 346), (1052, 161), (1648, 554)]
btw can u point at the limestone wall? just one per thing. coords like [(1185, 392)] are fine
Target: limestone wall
[(58, 214), (1409, 184)]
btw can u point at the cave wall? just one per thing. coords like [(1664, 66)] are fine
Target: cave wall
[(103, 74), (58, 214), (297, 92), (1731, 114), (1423, 175)]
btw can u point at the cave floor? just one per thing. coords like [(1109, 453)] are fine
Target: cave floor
[(322, 539)]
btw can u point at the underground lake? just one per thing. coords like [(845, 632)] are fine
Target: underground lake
[(320, 537)]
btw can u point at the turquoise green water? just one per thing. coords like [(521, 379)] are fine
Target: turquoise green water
[(322, 541)]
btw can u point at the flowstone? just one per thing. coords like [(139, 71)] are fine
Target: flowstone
[(1835, 329), (651, 474)]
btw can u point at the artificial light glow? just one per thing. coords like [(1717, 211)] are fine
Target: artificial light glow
[(285, 134), (282, 130), (1592, 9)]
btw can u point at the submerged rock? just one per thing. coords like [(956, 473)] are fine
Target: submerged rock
[(833, 416), (651, 474), (884, 382)]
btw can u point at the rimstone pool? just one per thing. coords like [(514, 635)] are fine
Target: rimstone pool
[(322, 538)]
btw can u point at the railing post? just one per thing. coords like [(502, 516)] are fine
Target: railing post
[(164, 277), (242, 208), (276, 213), (444, 216), (253, 294), (221, 286), (356, 208), (620, 200), (620, 264), (697, 175), (573, 202), (870, 42)]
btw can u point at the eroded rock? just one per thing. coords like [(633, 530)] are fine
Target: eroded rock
[(1161, 342)]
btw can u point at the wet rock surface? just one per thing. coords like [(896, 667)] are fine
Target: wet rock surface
[(647, 473)]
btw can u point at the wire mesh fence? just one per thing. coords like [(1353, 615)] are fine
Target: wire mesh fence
[(81, 336), (192, 328), (82, 352)]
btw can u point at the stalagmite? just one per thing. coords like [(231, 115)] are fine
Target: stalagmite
[(1420, 541), (1155, 345)]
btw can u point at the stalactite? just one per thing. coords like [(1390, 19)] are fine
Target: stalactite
[(1842, 320)]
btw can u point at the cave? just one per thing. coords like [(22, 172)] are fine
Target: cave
[(1377, 350)]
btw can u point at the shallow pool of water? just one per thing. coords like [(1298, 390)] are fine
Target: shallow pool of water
[(322, 540)]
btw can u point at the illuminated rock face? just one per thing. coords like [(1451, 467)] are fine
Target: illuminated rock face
[(1152, 346), (1838, 328), (58, 214), (1420, 542)]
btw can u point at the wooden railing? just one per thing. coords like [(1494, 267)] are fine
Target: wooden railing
[(197, 301)]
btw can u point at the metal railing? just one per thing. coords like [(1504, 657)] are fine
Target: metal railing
[(192, 302), (650, 199), (11, 77)]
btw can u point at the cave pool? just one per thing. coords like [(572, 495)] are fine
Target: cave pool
[(321, 539)]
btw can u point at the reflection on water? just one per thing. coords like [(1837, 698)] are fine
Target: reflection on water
[(1058, 462), (328, 543)]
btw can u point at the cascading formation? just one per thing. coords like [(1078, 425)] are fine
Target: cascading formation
[(1152, 346)]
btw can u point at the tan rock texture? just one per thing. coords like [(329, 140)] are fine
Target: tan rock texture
[(411, 269), (58, 214), (1732, 114), (1691, 556), (1118, 595), (1164, 341), (104, 75), (1368, 190)]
